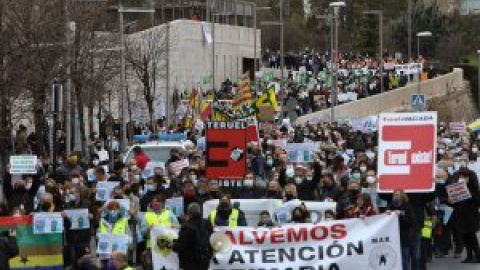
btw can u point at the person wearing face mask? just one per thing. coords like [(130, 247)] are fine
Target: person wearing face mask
[(52, 188), (249, 190), (201, 191), (329, 190), (150, 191), (157, 214), (189, 195), (213, 190), (467, 217), (76, 239), (227, 216), (258, 162), (119, 172), (273, 191), (19, 196), (290, 192), (348, 197), (114, 220), (400, 206), (102, 154)]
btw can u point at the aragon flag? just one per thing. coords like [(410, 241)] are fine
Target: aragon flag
[(36, 251)]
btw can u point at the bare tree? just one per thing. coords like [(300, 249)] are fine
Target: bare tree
[(146, 56)]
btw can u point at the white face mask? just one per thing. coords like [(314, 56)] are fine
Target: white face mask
[(29, 185), (474, 150), (248, 183), (137, 177), (371, 179), (75, 180), (95, 162), (462, 180), (298, 180), (363, 169)]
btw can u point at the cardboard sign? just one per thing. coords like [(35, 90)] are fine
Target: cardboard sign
[(226, 145), (267, 114), (301, 152), (79, 218), (47, 223), (406, 151), (458, 192), (458, 127), (23, 164)]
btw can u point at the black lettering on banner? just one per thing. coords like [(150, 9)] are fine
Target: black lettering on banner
[(335, 250), (268, 256), (320, 252), (252, 253), (216, 163), (236, 257), (333, 266), (307, 268), (357, 249), (303, 256), (283, 255)]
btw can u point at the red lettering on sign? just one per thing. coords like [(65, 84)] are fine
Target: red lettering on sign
[(339, 231), (260, 236), (243, 240), (297, 234), (277, 237), (323, 230)]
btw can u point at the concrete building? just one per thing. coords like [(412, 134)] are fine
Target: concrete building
[(470, 7), (182, 53)]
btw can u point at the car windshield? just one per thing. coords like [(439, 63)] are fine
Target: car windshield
[(156, 154)]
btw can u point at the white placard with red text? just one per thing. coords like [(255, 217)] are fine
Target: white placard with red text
[(406, 151), (329, 245)]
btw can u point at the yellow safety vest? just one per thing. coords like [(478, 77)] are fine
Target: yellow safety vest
[(152, 219), (427, 229), (120, 227), (232, 219)]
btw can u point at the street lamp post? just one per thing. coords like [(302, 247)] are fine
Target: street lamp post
[(123, 95), (336, 10), (419, 83), (255, 35), (380, 49)]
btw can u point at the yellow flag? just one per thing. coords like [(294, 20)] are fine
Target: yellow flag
[(268, 99)]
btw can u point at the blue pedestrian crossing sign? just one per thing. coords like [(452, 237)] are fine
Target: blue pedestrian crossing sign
[(418, 101)]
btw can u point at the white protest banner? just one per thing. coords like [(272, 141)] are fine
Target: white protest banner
[(124, 203), (458, 127), (365, 125), (301, 152), (458, 192), (251, 208), (47, 223), (23, 164), (175, 205), (107, 243), (150, 167), (78, 218), (373, 243), (104, 190)]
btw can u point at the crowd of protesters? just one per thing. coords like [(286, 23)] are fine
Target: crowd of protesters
[(343, 170)]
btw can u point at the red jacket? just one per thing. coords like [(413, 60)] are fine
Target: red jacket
[(141, 159)]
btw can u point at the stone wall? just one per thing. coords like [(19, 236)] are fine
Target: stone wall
[(395, 100)]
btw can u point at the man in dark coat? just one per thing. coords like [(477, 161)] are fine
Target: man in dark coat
[(466, 214), (20, 195), (192, 245), (8, 243)]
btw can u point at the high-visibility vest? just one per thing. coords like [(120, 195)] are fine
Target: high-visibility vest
[(152, 219), (232, 219), (128, 268), (120, 227), (427, 229)]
